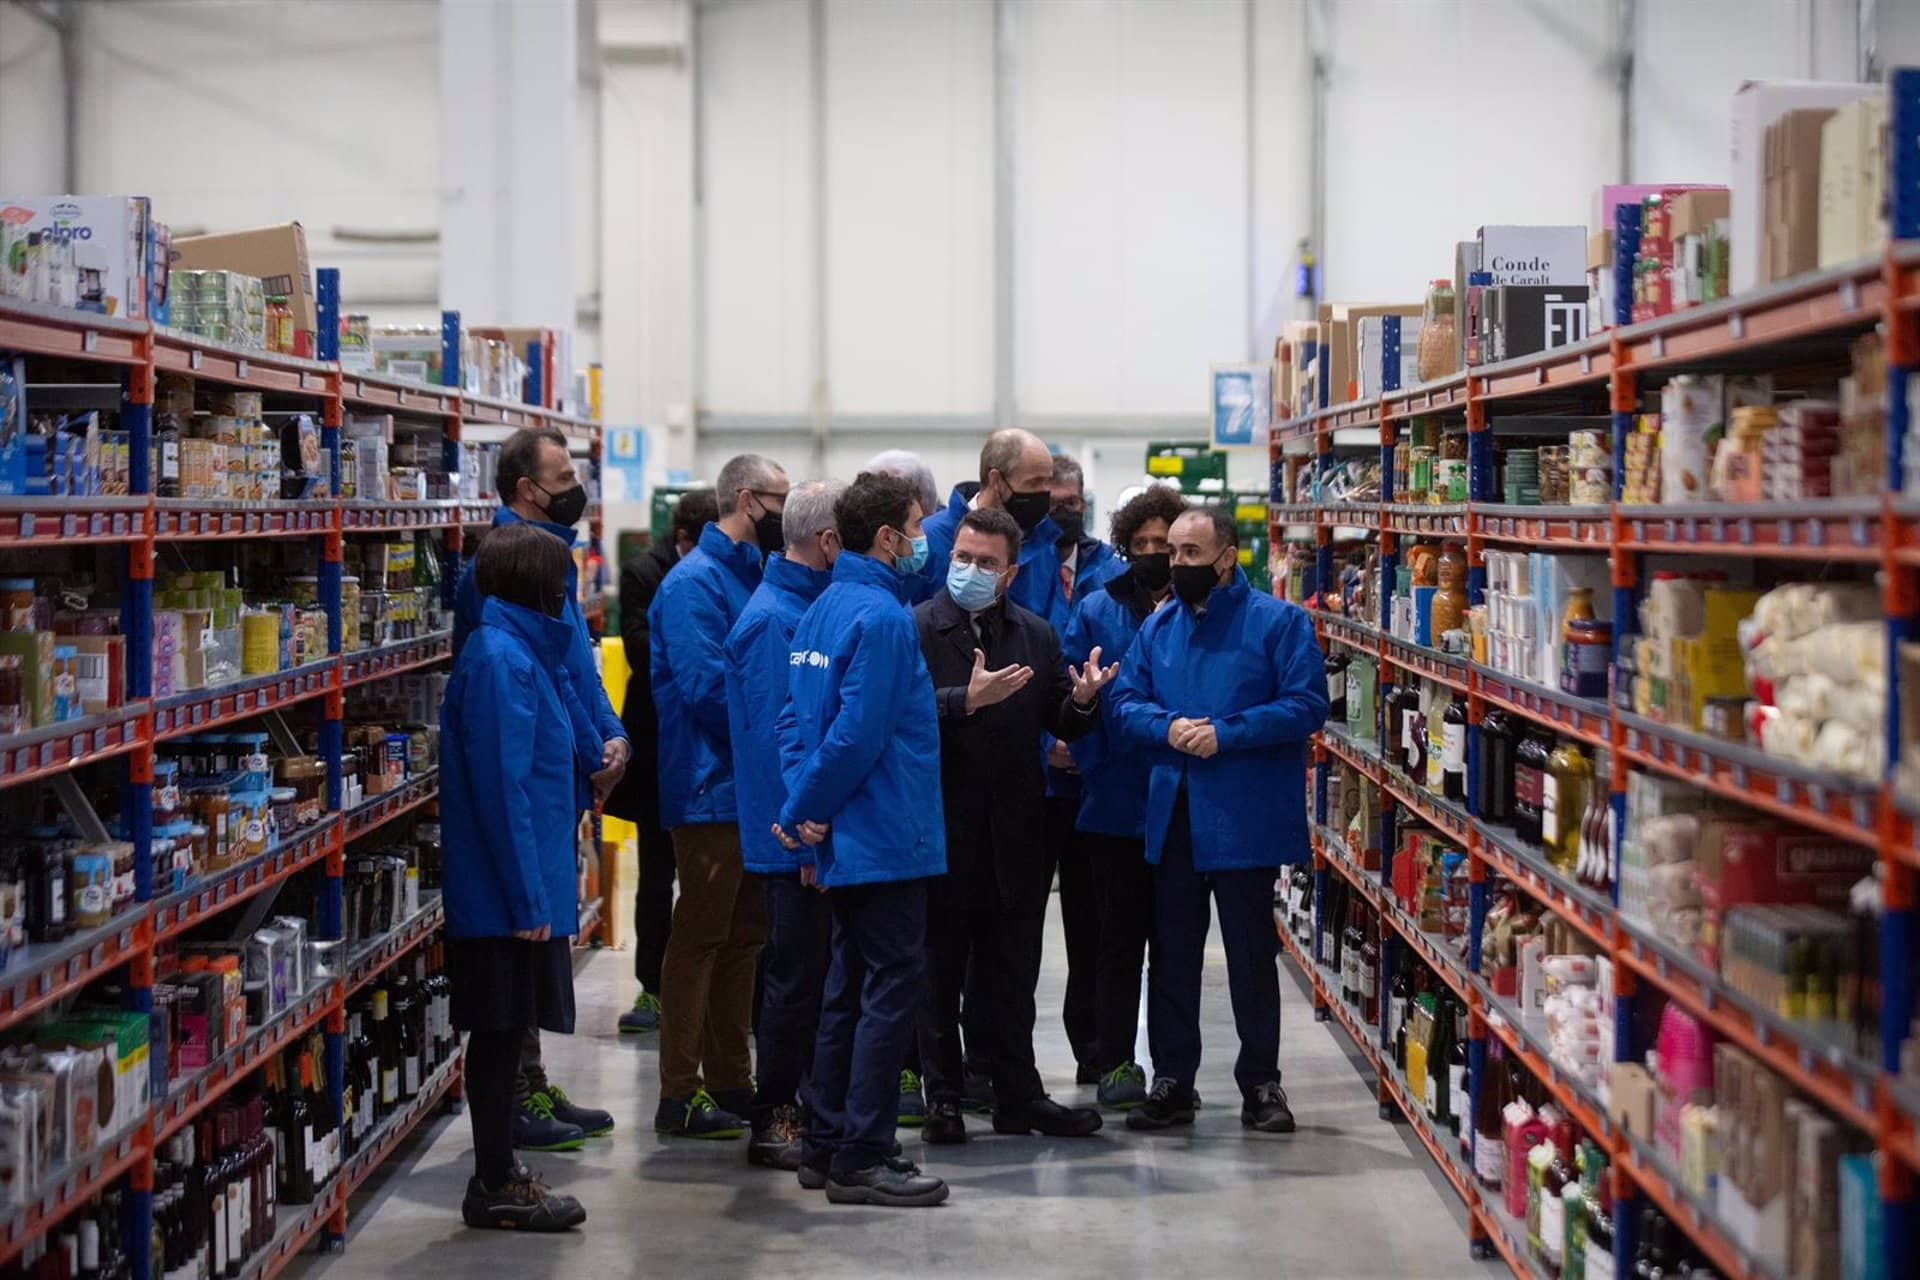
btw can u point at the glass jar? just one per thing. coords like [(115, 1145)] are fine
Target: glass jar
[(1438, 352), (16, 603), (284, 812), (1450, 602), (13, 695), (308, 778), (1563, 803), (1586, 650)]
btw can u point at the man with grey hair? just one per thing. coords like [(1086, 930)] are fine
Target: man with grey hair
[(707, 974), (912, 468), (1015, 468), (799, 921)]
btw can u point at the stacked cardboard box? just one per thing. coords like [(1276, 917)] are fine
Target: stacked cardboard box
[(1760, 159)]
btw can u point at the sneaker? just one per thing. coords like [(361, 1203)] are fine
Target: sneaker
[(643, 1017), (1169, 1104), (776, 1144), (1266, 1110), (896, 1183), (537, 1128), (523, 1204), (591, 1120), (698, 1117), (913, 1103), (944, 1124), (976, 1093), (1124, 1087)]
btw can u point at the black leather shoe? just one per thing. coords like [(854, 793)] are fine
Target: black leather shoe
[(945, 1125), (1049, 1117), (1266, 1110), (895, 1183), (1168, 1105)]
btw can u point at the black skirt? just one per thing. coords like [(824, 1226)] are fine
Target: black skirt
[(504, 984)]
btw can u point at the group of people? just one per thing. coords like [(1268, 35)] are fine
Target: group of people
[(867, 734)]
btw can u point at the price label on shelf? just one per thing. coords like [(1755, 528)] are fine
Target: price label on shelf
[(89, 340), (1737, 774), (47, 754), (96, 524), (69, 525), (1849, 295), (77, 747), (1816, 533), (1736, 326), (193, 359), (240, 369), (1670, 530), (1783, 790), (1744, 528)]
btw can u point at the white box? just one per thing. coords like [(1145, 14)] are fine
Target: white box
[(108, 234), (1757, 104), (1373, 345), (1534, 255)]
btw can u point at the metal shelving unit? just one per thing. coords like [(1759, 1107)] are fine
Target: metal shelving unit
[(1813, 315), (134, 527)]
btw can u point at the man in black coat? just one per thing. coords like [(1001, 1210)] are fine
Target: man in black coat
[(637, 798), (999, 686)]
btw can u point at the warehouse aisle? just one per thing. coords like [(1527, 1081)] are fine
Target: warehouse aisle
[(1346, 1196)]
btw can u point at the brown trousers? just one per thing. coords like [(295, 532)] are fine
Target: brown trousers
[(706, 979)]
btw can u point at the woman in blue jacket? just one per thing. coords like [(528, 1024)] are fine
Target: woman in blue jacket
[(515, 745)]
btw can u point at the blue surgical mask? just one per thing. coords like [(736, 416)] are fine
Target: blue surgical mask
[(917, 560), (972, 587)]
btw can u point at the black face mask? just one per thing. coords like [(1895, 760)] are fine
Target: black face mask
[(769, 529), (1029, 509), (1153, 570), (1072, 523), (1193, 583), (567, 506)]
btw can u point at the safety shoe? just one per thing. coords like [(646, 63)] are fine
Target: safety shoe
[(537, 1128), (643, 1017), (592, 1121), (1266, 1110), (1124, 1087), (944, 1126), (814, 1179), (776, 1143), (895, 1183), (697, 1117), (1169, 1104), (913, 1103), (1048, 1117), (523, 1204)]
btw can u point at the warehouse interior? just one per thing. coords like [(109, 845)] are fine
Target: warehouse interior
[(1650, 553)]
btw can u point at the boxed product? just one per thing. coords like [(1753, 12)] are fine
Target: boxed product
[(1386, 353), (1739, 862), (1341, 321), (1518, 320), (1853, 173), (278, 255), (89, 252), (1863, 1246), (1537, 255), (1756, 106), (1790, 239)]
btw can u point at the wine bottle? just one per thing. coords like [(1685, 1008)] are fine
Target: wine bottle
[(1370, 975), (1489, 1100), (1559, 1173), (1498, 742), (387, 1048), (1399, 995), (1599, 1252), (1529, 783), (1457, 1096), (1437, 1053), (1453, 763), (296, 1138), (1336, 671)]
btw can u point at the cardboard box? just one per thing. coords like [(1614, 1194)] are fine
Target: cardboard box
[(1756, 106), (35, 651), (278, 255), (1386, 353), (1630, 1095), (1552, 255), (1518, 320), (100, 670), (1614, 194), (111, 238), (1853, 182), (1345, 359), (1791, 236)]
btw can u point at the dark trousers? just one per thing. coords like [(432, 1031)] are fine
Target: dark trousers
[(866, 1021), (1005, 953), (652, 908), (1080, 920), (1180, 921), (794, 966), (718, 926), (1123, 891), (492, 1063), (531, 1078)]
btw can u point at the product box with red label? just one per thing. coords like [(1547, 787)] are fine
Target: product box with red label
[(1739, 863)]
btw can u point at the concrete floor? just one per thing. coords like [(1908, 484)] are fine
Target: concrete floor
[(1347, 1196)]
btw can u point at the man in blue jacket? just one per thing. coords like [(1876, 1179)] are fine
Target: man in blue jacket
[(860, 750), (1113, 777), (707, 975), (1223, 688), (1015, 470), (539, 486), (799, 925)]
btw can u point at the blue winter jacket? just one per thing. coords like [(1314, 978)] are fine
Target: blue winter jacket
[(1113, 775), (696, 607), (1037, 586), (583, 674), (758, 650), (511, 756), (1251, 665), (860, 736)]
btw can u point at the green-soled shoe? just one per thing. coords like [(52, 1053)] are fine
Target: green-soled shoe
[(643, 1017), (913, 1102)]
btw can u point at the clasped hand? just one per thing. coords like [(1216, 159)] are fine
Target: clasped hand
[(1195, 737)]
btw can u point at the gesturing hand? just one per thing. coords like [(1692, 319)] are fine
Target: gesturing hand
[(1195, 737), (1089, 680), (541, 934), (984, 687)]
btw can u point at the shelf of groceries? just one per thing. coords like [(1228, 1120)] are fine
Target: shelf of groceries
[(226, 575), (1615, 870)]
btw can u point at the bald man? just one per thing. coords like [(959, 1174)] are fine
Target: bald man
[(1016, 471)]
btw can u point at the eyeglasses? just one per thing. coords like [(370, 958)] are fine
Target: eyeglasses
[(989, 563)]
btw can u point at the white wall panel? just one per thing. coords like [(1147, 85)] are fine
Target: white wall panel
[(31, 155), (1283, 161), (909, 173), (1131, 191), (756, 239), (1418, 87), (1692, 57), (339, 126)]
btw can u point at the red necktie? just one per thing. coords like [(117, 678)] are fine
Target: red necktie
[(1066, 582)]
